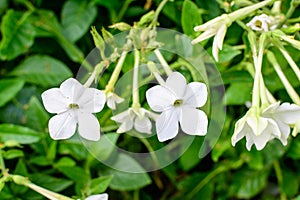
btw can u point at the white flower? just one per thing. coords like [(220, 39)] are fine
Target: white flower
[(272, 122), (74, 104), (113, 99), (285, 115), (98, 197), (261, 23), (134, 117), (217, 28), (178, 102)]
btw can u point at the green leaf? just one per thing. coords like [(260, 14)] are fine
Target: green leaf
[(65, 162), (9, 88), (290, 183), (21, 134), (100, 184), (76, 18), (248, 183), (40, 161), (294, 150), (127, 181), (35, 115), (238, 93), (227, 53), (42, 70), (13, 153), (190, 158), (103, 148), (173, 10), (190, 18), (17, 34), (49, 182)]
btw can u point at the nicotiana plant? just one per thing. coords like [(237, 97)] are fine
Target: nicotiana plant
[(177, 101)]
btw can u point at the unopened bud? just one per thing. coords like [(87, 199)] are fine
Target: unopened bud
[(146, 19), (98, 40), (122, 26), (107, 36)]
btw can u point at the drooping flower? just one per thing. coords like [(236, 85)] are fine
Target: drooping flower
[(273, 122), (74, 104), (98, 197), (285, 115), (113, 99), (137, 118), (261, 22), (178, 102)]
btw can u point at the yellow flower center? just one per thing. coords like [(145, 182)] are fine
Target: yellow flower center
[(178, 102), (74, 106)]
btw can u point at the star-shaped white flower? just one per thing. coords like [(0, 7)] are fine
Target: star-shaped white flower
[(74, 104), (273, 122), (139, 118), (178, 102), (261, 23), (113, 99), (98, 197)]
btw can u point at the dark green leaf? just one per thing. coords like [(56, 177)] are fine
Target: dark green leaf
[(21, 134), (40, 161), (190, 157), (103, 148), (17, 34), (76, 18), (227, 53), (127, 181), (12, 153), (9, 88), (238, 93), (100, 184), (249, 183), (290, 183), (190, 18), (36, 116), (65, 162), (42, 70), (52, 183)]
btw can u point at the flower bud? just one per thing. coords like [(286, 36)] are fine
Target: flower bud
[(121, 26), (98, 40)]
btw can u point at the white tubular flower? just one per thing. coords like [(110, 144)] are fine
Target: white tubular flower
[(178, 102), (98, 197), (273, 122), (74, 104), (257, 130), (139, 118), (261, 23), (285, 115), (217, 27), (112, 100)]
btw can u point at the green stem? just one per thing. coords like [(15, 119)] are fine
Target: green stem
[(135, 91), (94, 76), (289, 88), (153, 69), (163, 62), (157, 11), (136, 195), (2, 164), (115, 75), (279, 176), (211, 175), (293, 5), (123, 9), (288, 58)]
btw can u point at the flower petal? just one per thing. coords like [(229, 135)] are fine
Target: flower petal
[(143, 124), (195, 94), (240, 131), (177, 83), (261, 140), (126, 120), (88, 126), (193, 121), (54, 101), (257, 124), (167, 125), (62, 126), (98, 197), (92, 100), (160, 98), (72, 89), (288, 113), (121, 117)]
